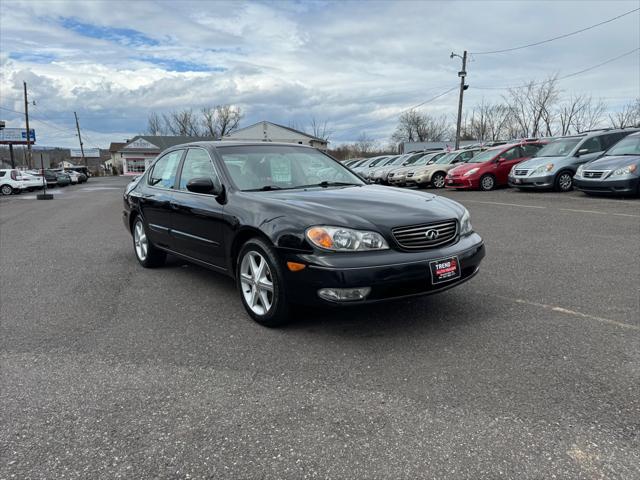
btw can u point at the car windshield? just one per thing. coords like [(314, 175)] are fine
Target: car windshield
[(424, 159), (447, 158), (626, 146), (485, 156), (559, 148), (377, 161), (392, 160), (264, 167), (412, 160)]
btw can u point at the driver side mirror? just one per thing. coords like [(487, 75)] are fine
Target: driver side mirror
[(582, 151), (500, 160), (205, 185)]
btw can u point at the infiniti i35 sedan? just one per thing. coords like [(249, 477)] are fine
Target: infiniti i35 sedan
[(293, 226)]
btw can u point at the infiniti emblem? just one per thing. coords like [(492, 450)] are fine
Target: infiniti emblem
[(431, 234)]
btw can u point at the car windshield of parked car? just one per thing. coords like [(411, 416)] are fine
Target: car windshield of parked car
[(559, 148), (424, 159), (257, 167), (485, 156), (626, 146), (443, 160)]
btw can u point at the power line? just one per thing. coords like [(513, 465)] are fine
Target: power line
[(558, 37), (360, 127), (574, 74)]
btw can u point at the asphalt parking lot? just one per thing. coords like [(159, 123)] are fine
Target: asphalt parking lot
[(530, 370)]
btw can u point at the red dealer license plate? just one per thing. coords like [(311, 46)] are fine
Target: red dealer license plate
[(444, 270)]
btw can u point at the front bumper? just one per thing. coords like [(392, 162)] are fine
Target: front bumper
[(461, 182), (397, 180), (541, 183), (391, 274), (624, 186)]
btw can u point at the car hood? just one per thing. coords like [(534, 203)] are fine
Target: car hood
[(465, 167), (613, 162), (367, 207), (538, 161)]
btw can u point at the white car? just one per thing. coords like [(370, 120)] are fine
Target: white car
[(74, 176), (30, 181), (10, 181)]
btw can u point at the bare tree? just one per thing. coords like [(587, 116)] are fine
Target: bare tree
[(531, 107), (414, 126), (220, 120), (155, 125), (365, 144), (320, 129), (627, 117)]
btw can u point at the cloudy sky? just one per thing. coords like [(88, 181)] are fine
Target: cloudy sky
[(353, 64)]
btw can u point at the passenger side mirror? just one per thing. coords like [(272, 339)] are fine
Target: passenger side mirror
[(582, 151), (204, 185)]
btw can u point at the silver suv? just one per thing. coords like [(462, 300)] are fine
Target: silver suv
[(555, 164)]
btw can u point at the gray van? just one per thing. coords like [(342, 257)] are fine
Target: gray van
[(555, 164)]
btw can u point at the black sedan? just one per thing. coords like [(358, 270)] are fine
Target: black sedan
[(293, 226), (617, 172)]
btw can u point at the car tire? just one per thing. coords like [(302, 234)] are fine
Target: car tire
[(146, 253), (264, 298), (563, 182), (487, 182), (6, 190), (437, 180)]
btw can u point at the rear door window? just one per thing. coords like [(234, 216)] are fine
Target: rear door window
[(164, 171), (611, 139)]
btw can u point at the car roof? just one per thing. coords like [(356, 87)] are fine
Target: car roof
[(220, 143)]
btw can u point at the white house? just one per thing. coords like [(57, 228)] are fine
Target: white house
[(272, 132)]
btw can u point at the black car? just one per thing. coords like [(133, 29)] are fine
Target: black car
[(617, 172), (293, 226)]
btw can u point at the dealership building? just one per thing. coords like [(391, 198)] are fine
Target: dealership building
[(138, 153)]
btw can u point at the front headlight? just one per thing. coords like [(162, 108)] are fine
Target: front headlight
[(470, 172), (340, 239), (543, 168), (579, 171), (465, 223), (513, 170), (628, 170)]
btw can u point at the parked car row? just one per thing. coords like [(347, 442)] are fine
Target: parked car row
[(13, 181), (599, 161)]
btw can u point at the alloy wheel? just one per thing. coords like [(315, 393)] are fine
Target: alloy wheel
[(6, 190), (438, 181), (564, 182), (488, 183), (140, 241), (256, 283)]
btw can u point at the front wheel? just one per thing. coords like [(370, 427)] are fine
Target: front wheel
[(437, 180), (6, 190), (564, 182), (487, 182), (261, 284), (147, 254)]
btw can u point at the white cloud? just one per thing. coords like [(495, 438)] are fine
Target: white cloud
[(355, 64)]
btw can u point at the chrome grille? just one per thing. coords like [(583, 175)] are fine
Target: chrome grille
[(521, 172), (593, 173), (410, 174), (415, 237)]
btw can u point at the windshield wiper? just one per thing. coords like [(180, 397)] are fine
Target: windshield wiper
[(265, 188), (326, 184)]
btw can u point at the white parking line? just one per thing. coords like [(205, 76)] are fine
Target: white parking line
[(507, 204), (569, 312), (599, 213), (575, 210)]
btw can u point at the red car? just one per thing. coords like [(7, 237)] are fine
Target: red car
[(491, 168)]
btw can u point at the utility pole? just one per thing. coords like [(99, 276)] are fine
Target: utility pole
[(26, 117), (84, 160), (462, 74)]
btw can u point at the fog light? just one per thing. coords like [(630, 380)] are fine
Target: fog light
[(344, 294)]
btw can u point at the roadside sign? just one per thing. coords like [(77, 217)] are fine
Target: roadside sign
[(16, 136), (88, 153)]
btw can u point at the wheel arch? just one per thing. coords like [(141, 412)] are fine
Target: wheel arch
[(242, 237)]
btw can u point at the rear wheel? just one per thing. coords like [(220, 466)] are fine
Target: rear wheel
[(437, 180), (487, 182), (147, 254), (564, 182), (261, 284)]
